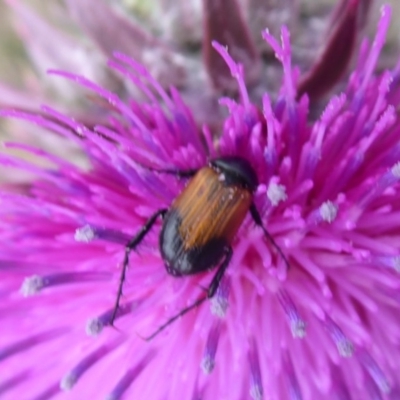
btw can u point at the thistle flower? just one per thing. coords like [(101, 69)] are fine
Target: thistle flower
[(326, 328), (173, 40)]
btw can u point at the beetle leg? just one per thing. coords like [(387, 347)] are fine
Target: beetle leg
[(257, 219), (128, 248), (175, 317), (212, 289)]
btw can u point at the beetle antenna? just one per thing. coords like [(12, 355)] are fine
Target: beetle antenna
[(197, 303), (184, 173), (257, 219)]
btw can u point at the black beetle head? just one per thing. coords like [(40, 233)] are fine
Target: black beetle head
[(236, 171)]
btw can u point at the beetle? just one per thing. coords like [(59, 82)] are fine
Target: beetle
[(199, 227)]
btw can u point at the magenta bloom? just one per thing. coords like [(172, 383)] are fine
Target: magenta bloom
[(329, 194)]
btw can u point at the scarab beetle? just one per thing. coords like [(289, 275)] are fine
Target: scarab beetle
[(201, 223)]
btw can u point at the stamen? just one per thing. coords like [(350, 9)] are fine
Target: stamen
[(283, 53), (207, 363), (208, 360), (236, 70), (88, 233), (148, 77), (344, 345), (30, 342), (69, 380), (396, 264), (341, 390), (297, 324), (256, 388), (112, 98), (48, 393), (270, 152), (380, 38), (85, 234), (293, 384), (14, 380), (374, 371), (395, 170), (372, 389), (198, 392), (389, 178), (327, 212), (219, 303), (34, 284), (387, 261), (256, 392), (128, 378), (95, 326), (276, 193)]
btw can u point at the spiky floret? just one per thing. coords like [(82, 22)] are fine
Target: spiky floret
[(329, 195)]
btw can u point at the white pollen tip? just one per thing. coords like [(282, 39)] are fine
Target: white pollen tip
[(328, 211), (207, 364), (396, 264), (276, 193), (256, 392), (385, 387), (395, 170), (68, 382), (298, 329), (94, 326), (345, 348), (218, 306), (32, 285), (85, 234)]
